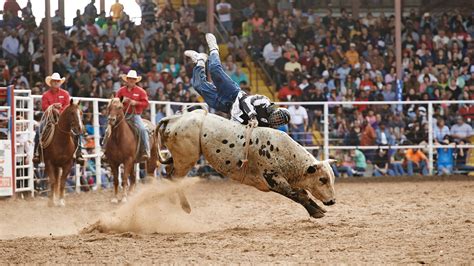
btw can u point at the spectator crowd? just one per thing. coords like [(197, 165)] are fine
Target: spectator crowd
[(310, 56)]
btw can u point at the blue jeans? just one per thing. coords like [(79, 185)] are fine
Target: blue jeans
[(377, 172), (220, 95), (422, 166), (298, 133), (398, 169), (336, 172), (346, 169), (137, 120)]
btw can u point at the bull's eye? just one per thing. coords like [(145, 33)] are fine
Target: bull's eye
[(323, 180)]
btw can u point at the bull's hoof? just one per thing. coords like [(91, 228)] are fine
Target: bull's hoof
[(318, 214), (62, 203), (186, 207), (124, 200), (114, 200), (315, 211)]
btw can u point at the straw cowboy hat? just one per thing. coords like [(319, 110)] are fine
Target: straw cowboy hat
[(131, 74), (55, 77)]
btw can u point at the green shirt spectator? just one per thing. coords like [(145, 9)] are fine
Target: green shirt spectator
[(359, 159)]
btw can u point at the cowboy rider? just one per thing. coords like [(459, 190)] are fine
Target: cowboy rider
[(59, 99), (226, 96), (135, 101)]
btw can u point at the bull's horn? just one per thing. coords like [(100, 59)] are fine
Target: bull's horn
[(330, 161)]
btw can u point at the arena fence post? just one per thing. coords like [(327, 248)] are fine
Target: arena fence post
[(97, 148), (153, 113), (169, 111), (326, 131), (78, 177), (430, 137)]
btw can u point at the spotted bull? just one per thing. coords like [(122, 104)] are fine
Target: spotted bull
[(275, 161)]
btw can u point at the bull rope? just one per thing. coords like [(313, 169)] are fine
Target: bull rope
[(244, 166)]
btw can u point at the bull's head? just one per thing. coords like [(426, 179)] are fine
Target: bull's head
[(319, 181)]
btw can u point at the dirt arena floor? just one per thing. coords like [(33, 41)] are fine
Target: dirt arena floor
[(372, 222)]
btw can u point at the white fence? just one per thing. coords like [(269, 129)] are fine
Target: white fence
[(159, 109)]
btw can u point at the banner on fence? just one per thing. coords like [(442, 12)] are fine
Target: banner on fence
[(6, 175)]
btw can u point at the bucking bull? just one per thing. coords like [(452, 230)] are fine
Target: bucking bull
[(275, 161)]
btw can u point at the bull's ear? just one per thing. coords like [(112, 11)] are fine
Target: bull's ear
[(121, 99), (71, 101), (311, 170)]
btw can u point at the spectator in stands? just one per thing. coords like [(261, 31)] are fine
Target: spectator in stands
[(416, 160), (445, 158), (291, 67), (298, 123), (460, 130), (11, 46), (271, 52), (396, 163), (384, 137), (352, 56), (381, 162), (122, 42), (440, 130), (238, 76), (360, 162), (116, 10), (90, 12), (288, 92), (224, 10)]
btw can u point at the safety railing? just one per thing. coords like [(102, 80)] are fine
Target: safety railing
[(160, 109)]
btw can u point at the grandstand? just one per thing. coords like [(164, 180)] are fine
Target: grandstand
[(293, 51)]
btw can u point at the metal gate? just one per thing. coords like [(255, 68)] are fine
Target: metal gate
[(23, 137)]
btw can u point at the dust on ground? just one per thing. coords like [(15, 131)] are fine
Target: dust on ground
[(372, 222)]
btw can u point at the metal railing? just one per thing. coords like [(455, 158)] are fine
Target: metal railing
[(161, 109)]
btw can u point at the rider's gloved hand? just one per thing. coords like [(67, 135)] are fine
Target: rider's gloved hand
[(253, 122)]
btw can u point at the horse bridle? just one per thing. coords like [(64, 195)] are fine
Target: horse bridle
[(70, 131), (117, 123)]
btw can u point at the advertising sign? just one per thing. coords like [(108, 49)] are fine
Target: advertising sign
[(6, 177)]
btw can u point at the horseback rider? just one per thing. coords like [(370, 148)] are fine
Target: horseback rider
[(226, 96), (135, 100), (59, 99)]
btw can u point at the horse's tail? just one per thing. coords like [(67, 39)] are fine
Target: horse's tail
[(163, 121)]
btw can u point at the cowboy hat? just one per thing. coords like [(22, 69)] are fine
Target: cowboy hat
[(55, 77), (131, 74)]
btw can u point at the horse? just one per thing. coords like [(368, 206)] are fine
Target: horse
[(121, 148), (58, 156)]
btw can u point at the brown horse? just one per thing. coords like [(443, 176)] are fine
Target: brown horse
[(58, 156), (121, 148)]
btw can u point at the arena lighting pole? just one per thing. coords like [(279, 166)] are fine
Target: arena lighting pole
[(102, 6), (355, 9), (61, 10), (210, 16), (48, 38)]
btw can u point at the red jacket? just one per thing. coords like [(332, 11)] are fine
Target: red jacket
[(136, 93), (51, 97)]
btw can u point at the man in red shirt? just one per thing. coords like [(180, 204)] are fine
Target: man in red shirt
[(11, 7), (135, 100), (59, 99)]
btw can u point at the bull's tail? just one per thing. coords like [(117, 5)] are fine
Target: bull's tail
[(162, 160)]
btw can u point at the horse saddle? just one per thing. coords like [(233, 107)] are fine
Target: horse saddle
[(150, 128)]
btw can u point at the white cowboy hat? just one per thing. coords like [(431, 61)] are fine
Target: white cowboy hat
[(55, 77), (131, 74)]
